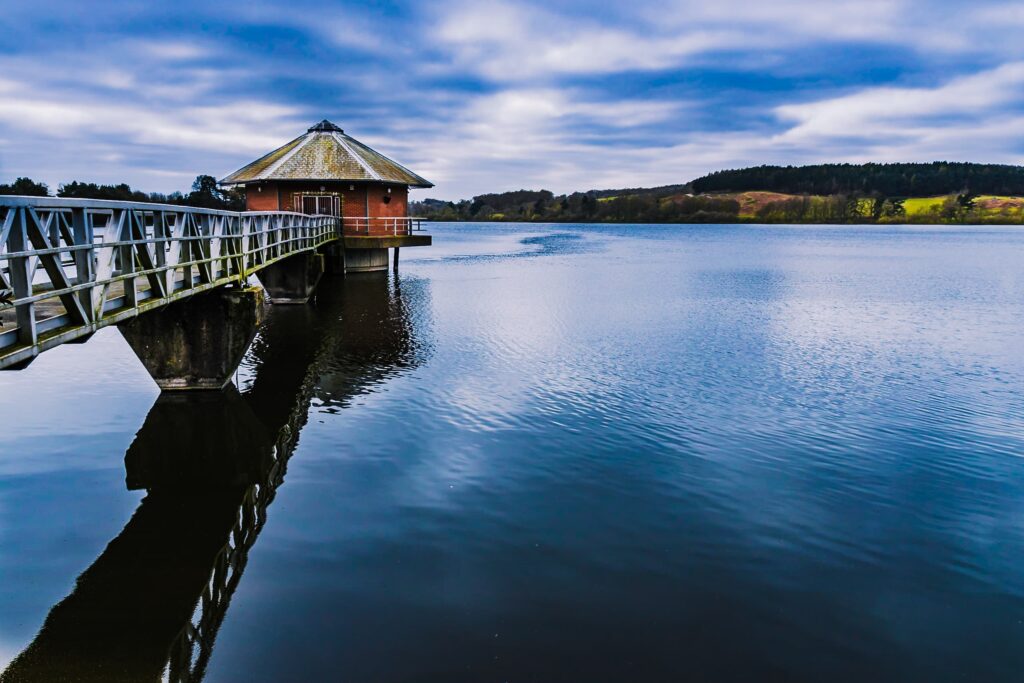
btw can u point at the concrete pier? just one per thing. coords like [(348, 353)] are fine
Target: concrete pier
[(366, 260), (293, 280), (196, 343), (334, 259)]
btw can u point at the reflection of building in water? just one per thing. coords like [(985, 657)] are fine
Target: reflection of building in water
[(211, 463), (378, 341)]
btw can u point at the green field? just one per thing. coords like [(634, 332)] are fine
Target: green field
[(916, 206), (985, 208)]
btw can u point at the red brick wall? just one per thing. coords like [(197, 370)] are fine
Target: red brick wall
[(380, 207), (263, 198), (354, 201), (397, 207)]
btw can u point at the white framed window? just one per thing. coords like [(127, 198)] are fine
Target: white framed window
[(323, 203)]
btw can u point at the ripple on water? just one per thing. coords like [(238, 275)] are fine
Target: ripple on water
[(643, 453)]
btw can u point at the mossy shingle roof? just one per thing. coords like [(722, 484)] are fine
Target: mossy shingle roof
[(325, 153)]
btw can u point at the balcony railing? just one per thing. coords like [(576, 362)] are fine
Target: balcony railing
[(379, 225)]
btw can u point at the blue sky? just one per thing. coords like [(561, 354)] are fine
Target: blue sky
[(489, 96)]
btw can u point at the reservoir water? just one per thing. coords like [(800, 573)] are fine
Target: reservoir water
[(548, 453)]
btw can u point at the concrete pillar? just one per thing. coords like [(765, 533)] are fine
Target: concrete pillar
[(334, 259), (366, 260), (196, 343), (292, 280)]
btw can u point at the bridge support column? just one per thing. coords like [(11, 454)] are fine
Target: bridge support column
[(196, 343), (294, 279), (366, 260), (334, 259)]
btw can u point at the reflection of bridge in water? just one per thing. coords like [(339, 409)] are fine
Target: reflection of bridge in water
[(151, 604)]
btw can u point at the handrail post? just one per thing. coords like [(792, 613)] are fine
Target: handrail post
[(21, 278), (85, 264)]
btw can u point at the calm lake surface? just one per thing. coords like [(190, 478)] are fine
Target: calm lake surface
[(549, 453)]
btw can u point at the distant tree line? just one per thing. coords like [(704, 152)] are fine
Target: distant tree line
[(837, 208), (204, 194), (592, 207), (887, 180), (610, 206)]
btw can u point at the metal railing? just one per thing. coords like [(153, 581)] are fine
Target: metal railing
[(69, 266), (382, 225)]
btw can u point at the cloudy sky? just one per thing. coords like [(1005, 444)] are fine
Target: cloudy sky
[(488, 96)]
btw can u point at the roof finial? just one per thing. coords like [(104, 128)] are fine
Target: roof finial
[(324, 126)]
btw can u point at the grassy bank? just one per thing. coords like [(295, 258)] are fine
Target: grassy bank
[(772, 207)]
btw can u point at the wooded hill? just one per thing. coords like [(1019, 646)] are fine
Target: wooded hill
[(888, 180), (938, 192)]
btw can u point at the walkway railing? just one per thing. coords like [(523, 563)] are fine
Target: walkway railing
[(69, 267), (380, 225)]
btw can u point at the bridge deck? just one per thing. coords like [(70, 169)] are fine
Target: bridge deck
[(52, 307)]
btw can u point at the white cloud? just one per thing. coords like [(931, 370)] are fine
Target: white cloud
[(115, 79), (240, 125), (172, 50), (508, 43), (523, 137), (1003, 14), (843, 18), (103, 115), (531, 137), (929, 27), (875, 113)]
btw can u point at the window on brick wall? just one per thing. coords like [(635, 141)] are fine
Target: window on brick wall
[(328, 204)]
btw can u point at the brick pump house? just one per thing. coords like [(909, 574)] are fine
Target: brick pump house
[(328, 172)]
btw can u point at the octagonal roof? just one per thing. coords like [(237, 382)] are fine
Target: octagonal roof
[(324, 152)]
